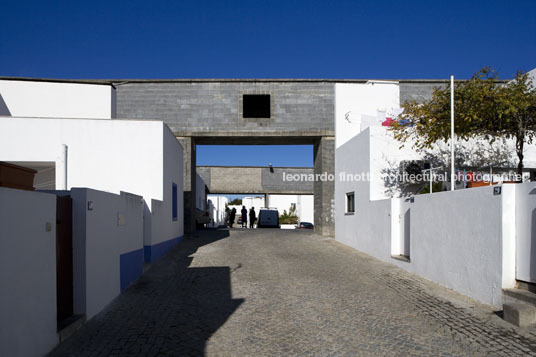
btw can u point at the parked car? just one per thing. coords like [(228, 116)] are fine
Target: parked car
[(201, 217), (268, 218), (306, 225)]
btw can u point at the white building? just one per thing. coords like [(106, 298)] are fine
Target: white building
[(464, 240), (54, 99), (216, 207), (125, 178), (304, 205), (248, 202), (140, 157)]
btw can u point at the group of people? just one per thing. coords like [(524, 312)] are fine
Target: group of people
[(244, 212)]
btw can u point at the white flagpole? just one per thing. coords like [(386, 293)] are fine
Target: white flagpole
[(452, 179)]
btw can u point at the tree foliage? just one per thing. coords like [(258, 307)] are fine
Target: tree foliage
[(484, 108), (290, 217)]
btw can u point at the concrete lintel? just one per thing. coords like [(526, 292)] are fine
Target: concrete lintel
[(256, 138)]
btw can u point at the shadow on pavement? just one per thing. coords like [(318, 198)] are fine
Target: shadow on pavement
[(173, 309)]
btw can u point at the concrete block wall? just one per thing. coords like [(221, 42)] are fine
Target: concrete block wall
[(215, 106), (324, 210), (273, 182), (419, 91), (255, 179), (233, 179)]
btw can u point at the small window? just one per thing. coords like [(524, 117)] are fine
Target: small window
[(256, 106), (350, 202), (174, 199)]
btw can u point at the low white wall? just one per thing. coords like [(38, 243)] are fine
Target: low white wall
[(130, 222), (107, 229), (457, 239), (28, 273), (59, 100), (102, 252), (526, 232)]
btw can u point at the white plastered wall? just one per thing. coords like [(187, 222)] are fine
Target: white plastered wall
[(28, 274), (107, 155), (23, 98), (105, 226), (359, 104), (163, 226), (459, 239), (304, 205)]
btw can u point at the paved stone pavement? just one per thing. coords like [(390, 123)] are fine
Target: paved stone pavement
[(289, 293)]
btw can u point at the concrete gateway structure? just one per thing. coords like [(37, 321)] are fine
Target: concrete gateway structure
[(252, 112), (233, 112)]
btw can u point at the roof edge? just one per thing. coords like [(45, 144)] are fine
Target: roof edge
[(117, 82)]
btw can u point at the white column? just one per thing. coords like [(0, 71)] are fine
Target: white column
[(61, 168), (452, 179)]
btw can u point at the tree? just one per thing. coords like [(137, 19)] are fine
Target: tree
[(484, 109), (236, 202), (517, 103)]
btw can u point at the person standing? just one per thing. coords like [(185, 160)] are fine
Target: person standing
[(232, 217), (252, 217), (244, 217)]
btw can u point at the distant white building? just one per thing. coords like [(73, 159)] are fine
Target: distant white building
[(303, 204), (216, 208)]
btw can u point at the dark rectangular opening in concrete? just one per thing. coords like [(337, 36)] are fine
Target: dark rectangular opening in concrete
[(256, 106)]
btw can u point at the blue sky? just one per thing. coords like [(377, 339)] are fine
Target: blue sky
[(266, 39), (255, 155)]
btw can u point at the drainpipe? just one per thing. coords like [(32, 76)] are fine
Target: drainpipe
[(65, 156)]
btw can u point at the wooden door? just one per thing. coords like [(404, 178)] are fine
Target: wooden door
[(64, 257)]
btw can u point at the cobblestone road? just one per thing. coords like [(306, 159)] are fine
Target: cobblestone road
[(289, 293)]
